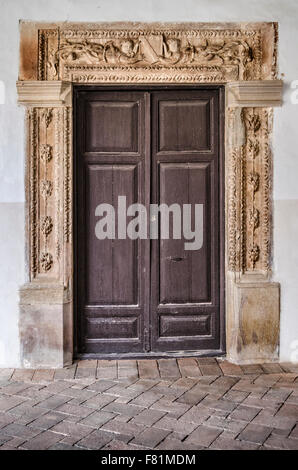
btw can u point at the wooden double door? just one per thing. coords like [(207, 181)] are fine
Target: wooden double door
[(142, 296)]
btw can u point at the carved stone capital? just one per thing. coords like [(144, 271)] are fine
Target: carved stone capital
[(253, 94), (44, 93)]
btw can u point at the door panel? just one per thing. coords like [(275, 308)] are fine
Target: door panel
[(152, 146), (185, 301), (180, 269), (111, 273)]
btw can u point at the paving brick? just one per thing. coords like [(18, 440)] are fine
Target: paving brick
[(277, 394), (224, 443), (72, 429), (207, 368), (10, 402), (87, 364), (146, 399), (99, 401), (252, 369), (188, 367), (19, 430), (118, 445), (26, 414), (290, 411), (255, 433), (168, 368), (148, 369), (170, 443), (294, 433), (107, 370), (85, 372), (223, 405), (230, 369), (66, 373), (48, 420), (279, 422), (97, 419), (53, 402), (23, 374), (41, 375), (197, 414), (15, 388), (6, 419), (96, 440), (151, 437), (276, 442), (148, 417), (43, 441), (193, 397), (130, 429), (174, 409), (203, 436), (129, 410), (120, 391), (181, 426), (6, 373), (80, 411), (127, 368), (244, 413), (57, 386), (101, 385), (170, 392), (144, 384), (226, 423), (236, 396)]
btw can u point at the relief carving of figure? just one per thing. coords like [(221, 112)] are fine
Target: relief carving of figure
[(173, 52), (128, 52)]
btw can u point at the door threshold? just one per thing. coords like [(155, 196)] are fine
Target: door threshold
[(153, 355)]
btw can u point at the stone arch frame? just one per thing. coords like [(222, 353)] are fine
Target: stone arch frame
[(241, 56)]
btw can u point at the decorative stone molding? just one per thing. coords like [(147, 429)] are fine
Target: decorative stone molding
[(241, 56), (249, 176), (254, 94), (44, 94)]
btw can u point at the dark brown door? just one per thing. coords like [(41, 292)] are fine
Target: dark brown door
[(152, 146)]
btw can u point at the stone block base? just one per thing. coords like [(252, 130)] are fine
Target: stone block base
[(46, 329), (252, 319)]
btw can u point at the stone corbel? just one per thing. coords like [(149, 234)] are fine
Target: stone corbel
[(46, 299)]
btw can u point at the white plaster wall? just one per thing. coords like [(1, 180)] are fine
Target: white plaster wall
[(285, 143)]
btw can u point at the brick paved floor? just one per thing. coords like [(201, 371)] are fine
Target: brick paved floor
[(147, 404)]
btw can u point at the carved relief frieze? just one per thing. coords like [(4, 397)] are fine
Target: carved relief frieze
[(164, 53)]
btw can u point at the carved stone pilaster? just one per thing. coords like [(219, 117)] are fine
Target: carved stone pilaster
[(48, 189), (252, 299)]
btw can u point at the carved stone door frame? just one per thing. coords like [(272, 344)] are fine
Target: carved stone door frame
[(241, 56)]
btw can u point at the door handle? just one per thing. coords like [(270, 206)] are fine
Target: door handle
[(177, 258)]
